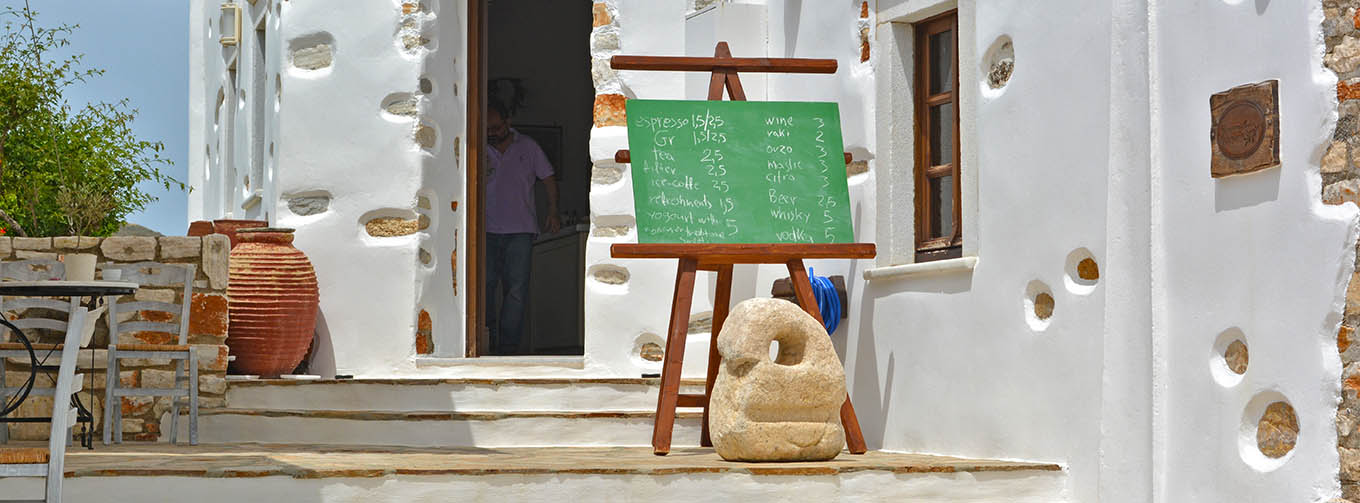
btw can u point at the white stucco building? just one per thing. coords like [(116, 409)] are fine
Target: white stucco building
[(348, 120)]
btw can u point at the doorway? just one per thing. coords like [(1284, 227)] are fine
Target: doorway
[(530, 82)]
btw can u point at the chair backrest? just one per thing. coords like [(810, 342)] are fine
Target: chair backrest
[(63, 415), (154, 274), (52, 313), (32, 270)]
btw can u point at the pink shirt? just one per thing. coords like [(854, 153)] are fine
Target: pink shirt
[(510, 185)]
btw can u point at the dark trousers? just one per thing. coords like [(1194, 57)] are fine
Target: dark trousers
[(508, 257)]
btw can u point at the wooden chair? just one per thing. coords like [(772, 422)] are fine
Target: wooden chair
[(181, 353), (49, 463), (31, 270)]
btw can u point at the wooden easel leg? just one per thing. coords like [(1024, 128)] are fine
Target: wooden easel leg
[(674, 358), (718, 78), (721, 303), (854, 437), (802, 288)]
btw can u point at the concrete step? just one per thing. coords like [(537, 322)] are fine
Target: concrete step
[(451, 394), (437, 428), (230, 473)]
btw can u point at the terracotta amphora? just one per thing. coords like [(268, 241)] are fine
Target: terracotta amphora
[(272, 304)]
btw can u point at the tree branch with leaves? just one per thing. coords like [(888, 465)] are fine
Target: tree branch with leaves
[(65, 170)]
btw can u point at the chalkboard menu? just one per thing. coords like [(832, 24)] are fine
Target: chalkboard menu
[(738, 172)]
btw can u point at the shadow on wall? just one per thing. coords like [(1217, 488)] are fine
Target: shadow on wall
[(322, 361), (840, 339), (793, 13), (1240, 191), (872, 392)]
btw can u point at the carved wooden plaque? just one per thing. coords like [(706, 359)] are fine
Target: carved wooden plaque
[(1245, 135)]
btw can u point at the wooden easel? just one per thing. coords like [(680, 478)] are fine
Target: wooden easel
[(720, 258)]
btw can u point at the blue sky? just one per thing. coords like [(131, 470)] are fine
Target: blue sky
[(142, 47)]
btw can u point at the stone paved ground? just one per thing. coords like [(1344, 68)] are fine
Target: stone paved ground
[(314, 461)]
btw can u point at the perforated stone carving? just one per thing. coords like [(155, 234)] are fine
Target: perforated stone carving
[(785, 409)]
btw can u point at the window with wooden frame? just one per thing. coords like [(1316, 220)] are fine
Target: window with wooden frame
[(938, 231)]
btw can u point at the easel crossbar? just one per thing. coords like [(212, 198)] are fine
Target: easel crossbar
[(720, 64), (742, 253), (624, 157)]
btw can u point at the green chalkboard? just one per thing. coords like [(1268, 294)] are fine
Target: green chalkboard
[(738, 172)]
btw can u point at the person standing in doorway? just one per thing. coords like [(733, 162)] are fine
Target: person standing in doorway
[(514, 163)]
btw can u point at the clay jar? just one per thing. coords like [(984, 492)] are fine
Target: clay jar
[(225, 226), (200, 228), (272, 294)]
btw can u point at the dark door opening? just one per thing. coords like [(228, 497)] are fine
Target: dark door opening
[(533, 150)]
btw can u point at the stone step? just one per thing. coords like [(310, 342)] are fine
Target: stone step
[(229, 473), (516, 394), (437, 428)]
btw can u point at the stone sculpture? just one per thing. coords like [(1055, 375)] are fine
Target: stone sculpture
[(785, 409)]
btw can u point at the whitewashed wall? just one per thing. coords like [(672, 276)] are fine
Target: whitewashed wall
[(234, 111), (343, 151), (337, 143), (1257, 254), (955, 362), (443, 294), (1097, 146), (1099, 143), (366, 127)]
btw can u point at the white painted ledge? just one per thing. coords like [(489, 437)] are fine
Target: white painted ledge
[(253, 200), (909, 270), (572, 362)]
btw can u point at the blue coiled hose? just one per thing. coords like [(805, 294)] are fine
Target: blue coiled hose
[(828, 301)]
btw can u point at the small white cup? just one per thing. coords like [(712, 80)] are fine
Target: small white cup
[(113, 274), (79, 266)]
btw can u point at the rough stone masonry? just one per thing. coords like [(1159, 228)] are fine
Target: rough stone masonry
[(1341, 183)]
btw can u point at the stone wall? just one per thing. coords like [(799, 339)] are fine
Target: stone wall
[(1341, 183), (207, 328)]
